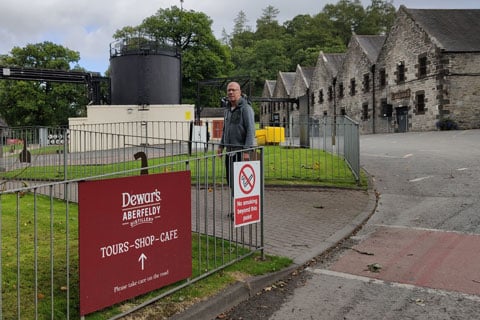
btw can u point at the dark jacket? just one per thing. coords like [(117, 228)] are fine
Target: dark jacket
[(238, 126)]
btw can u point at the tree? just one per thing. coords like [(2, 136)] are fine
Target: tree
[(308, 36), (268, 26), (379, 18), (240, 23), (346, 16), (41, 103)]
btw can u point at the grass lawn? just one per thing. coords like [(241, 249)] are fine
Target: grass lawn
[(287, 166), (42, 223)]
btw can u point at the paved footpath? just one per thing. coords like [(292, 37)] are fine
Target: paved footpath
[(300, 223)]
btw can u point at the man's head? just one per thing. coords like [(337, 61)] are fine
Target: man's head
[(233, 92)]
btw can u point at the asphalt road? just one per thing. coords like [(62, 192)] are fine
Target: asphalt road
[(416, 258)]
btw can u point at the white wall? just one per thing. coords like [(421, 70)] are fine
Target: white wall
[(106, 121)]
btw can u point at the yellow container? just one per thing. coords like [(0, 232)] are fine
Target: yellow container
[(275, 135), (261, 135)]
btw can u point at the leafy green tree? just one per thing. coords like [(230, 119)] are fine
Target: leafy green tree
[(268, 26), (379, 18), (308, 35), (41, 103), (346, 16), (240, 23), (300, 40)]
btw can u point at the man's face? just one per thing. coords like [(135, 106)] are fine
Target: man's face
[(233, 92)]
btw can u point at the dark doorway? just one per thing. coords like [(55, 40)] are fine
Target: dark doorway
[(402, 119)]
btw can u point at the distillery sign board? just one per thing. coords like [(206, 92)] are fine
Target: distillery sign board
[(134, 236)]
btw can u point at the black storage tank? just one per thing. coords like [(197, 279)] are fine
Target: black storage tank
[(145, 74)]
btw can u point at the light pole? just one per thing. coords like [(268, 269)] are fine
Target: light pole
[(334, 131)]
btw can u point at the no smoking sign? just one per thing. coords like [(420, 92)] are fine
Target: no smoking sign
[(246, 179), (246, 192)]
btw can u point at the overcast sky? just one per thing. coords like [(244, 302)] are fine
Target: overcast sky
[(87, 26)]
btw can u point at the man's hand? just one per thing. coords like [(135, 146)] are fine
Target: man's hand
[(246, 156), (219, 152)]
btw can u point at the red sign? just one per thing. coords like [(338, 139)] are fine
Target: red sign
[(247, 210), (134, 236), (246, 193)]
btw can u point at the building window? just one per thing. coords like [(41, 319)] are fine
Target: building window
[(400, 72), (383, 78), (387, 109), (420, 103), (312, 97), (352, 87), (365, 111), (366, 82), (320, 96), (422, 66), (330, 93), (340, 90)]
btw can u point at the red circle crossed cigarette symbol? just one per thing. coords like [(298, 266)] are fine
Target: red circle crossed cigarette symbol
[(246, 179)]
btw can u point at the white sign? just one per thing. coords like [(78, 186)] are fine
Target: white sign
[(246, 192)]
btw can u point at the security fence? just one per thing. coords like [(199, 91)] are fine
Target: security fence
[(41, 169), (319, 151), (337, 138), (40, 238)]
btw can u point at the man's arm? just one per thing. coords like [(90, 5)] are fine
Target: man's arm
[(249, 126)]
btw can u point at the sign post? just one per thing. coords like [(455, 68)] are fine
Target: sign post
[(246, 192), (134, 236)]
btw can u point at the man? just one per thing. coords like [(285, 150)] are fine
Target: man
[(238, 128)]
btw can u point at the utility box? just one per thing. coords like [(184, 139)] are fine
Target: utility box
[(275, 135), (261, 135)]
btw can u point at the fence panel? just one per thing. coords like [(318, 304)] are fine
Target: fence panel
[(40, 169), (337, 136), (39, 238), (61, 154)]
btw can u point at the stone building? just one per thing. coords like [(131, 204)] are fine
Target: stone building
[(267, 105), (323, 83), (422, 74), (356, 80), (283, 109), (429, 70)]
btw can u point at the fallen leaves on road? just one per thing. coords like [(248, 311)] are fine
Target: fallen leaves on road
[(374, 267)]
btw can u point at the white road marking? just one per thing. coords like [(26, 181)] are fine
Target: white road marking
[(380, 155), (394, 284), (420, 179)]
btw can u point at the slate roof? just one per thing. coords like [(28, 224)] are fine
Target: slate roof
[(307, 74), (454, 30), (271, 86), (334, 62), (288, 79), (371, 45)]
